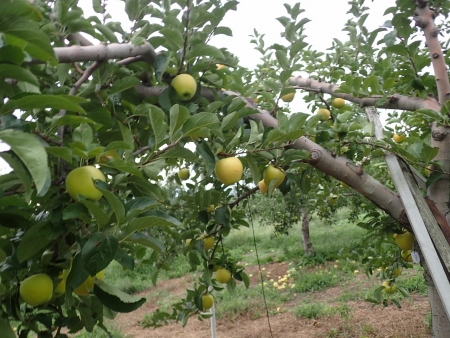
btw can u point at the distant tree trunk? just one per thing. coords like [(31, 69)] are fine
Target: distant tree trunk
[(307, 246)]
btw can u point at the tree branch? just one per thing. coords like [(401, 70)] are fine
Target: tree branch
[(103, 52), (393, 102), (438, 191), (425, 20)]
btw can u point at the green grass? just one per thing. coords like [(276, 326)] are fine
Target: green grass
[(99, 333), (327, 242), (317, 310)]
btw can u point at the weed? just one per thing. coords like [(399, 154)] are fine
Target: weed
[(313, 310)]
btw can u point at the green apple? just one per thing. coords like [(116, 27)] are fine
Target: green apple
[(338, 102), (229, 170), (325, 113), (185, 86), (271, 173), (79, 182), (183, 174), (288, 97)]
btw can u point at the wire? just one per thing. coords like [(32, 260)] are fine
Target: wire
[(259, 267)]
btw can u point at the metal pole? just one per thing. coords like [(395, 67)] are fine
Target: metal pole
[(212, 310)]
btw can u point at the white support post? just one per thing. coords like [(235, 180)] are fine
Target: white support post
[(416, 218), (213, 321)]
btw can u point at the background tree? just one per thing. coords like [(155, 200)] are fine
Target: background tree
[(68, 102)]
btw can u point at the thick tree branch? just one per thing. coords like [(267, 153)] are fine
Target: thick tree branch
[(425, 20), (438, 191), (393, 102), (343, 170), (103, 52)]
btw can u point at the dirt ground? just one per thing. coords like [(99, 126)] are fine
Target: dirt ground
[(364, 320)]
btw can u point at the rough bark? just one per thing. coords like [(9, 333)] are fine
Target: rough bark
[(394, 101), (307, 245), (439, 191)]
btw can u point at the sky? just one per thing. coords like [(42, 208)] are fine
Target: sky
[(327, 20)]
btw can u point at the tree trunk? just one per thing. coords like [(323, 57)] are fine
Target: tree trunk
[(440, 324), (307, 245)]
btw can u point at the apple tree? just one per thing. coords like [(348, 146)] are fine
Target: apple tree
[(89, 93)]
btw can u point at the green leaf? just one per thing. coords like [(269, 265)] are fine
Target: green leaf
[(194, 125), (98, 252), (434, 176), (18, 73), (204, 50), (43, 102), (123, 166), (157, 219), (73, 211), (282, 59), (101, 218), (159, 126), (223, 30), (142, 187), (64, 153), (30, 32), (148, 241), (5, 329), (20, 171), (35, 239), (77, 274), (124, 259), (117, 145), (208, 157), (153, 169), (115, 299), (87, 318), (123, 84), (179, 152), (229, 121), (254, 169), (428, 153), (178, 116), (139, 205), (115, 203), (32, 154)]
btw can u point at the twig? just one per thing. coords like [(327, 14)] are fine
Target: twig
[(186, 37), (87, 73), (243, 197)]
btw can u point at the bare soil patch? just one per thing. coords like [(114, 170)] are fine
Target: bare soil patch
[(363, 320)]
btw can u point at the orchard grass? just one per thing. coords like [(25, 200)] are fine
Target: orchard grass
[(308, 273)]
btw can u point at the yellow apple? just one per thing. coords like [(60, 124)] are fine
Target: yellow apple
[(37, 289), (183, 174), (404, 241), (220, 66), (398, 138), (271, 173), (406, 255), (338, 102), (79, 182), (325, 113), (207, 301), (223, 275), (288, 97), (208, 243), (185, 86), (428, 171), (389, 287), (229, 170), (263, 187)]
